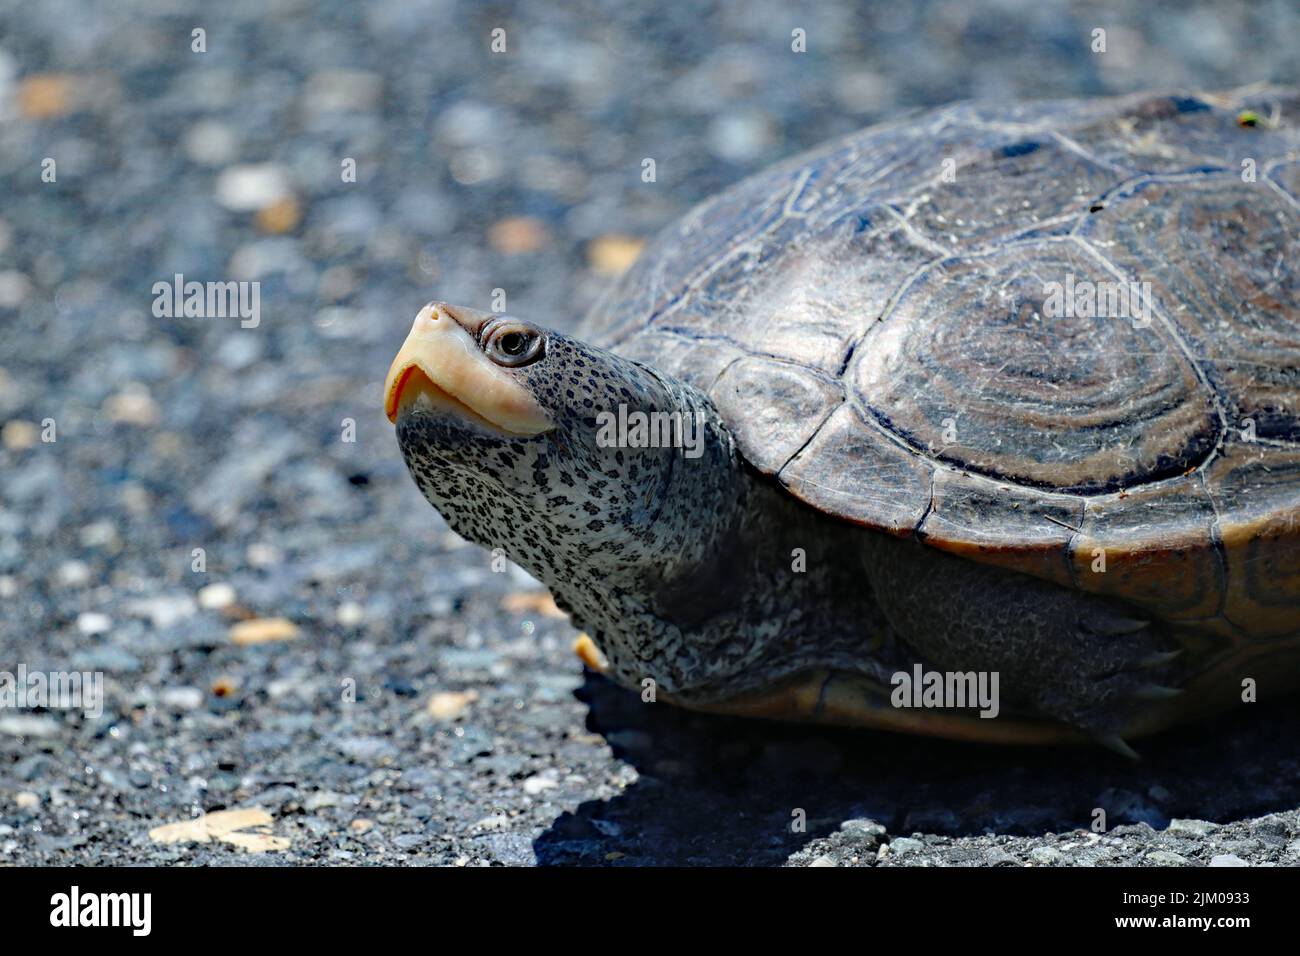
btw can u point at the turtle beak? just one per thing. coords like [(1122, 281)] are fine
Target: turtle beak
[(442, 362)]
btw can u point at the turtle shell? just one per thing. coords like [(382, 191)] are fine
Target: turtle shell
[(881, 322)]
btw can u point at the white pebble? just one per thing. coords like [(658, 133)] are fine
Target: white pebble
[(164, 610), (92, 622), (28, 726), (740, 137), (239, 351), (182, 698), (14, 289), (470, 124), (210, 143), (251, 187), (216, 596), (264, 555), (98, 534), (535, 785)]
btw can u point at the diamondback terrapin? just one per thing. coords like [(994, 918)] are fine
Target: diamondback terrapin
[(1006, 392)]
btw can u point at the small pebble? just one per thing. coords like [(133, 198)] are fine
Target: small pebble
[(450, 705), (535, 785), (251, 187), (613, 254), (224, 688), (322, 800), (92, 622), (98, 534), (27, 726), (264, 555), (903, 846), (19, 435), (468, 123), (73, 573), (132, 406), (516, 236), (351, 614), (1198, 828), (1166, 858), (15, 287), (165, 610), (214, 597), (279, 217), (182, 698), (740, 137), (210, 143), (46, 95), (263, 630)]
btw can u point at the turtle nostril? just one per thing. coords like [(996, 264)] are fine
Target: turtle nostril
[(429, 317)]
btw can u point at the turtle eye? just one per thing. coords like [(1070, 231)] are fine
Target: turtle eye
[(513, 344)]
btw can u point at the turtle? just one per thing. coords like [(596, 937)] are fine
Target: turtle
[(993, 397)]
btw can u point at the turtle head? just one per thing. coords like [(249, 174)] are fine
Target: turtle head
[(617, 486), (470, 367), (589, 470)]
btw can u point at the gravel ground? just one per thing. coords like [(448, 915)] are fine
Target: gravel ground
[(474, 736)]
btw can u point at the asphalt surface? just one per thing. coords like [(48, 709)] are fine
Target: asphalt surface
[(344, 667)]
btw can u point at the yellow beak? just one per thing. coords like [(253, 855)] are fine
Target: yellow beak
[(442, 362)]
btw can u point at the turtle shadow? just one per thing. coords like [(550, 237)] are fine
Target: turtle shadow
[(726, 791)]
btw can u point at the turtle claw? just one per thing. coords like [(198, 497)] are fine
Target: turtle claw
[(1155, 692), (1159, 659), (1116, 744), (1115, 626)]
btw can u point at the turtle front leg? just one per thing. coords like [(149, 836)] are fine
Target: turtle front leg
[(1089, 661)]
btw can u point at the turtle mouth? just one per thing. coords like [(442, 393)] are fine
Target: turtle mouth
[(441, 366), (414, 388)]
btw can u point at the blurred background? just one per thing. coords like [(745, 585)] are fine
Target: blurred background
[(474, 736)]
